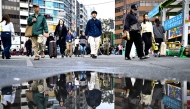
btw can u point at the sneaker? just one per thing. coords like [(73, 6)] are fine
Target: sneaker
[(142, 58), (147, 56)]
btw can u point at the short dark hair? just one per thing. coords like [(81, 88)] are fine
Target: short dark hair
[(157, 21), (94, 12), (6, 18)]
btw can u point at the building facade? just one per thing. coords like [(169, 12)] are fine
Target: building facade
[(144, 7)]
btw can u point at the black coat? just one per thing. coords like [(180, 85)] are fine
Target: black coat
[(28, 44), (62, 33), (50, 38)]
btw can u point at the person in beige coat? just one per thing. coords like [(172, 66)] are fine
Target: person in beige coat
[(147, 34)]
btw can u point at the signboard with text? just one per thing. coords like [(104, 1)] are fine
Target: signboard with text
[(153, 12), (171, 102), (173, 22)]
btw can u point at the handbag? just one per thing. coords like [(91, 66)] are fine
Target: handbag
[(154, 46), (29, 95), (51, 93), (28, 31), (135, 27)]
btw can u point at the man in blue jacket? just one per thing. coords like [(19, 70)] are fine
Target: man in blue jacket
[(93, 31)]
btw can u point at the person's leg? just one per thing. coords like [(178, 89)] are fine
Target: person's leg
[(128, 46), (146, 41), (92, 45), (35, 46), (149, 45), (97, 41), (81, 49), (138, 44), (41, 46), (67, 50), (7, 44), (70, 49)]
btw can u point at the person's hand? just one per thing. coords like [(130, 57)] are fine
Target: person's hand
[(46, 35), (34, 20), (153, 38), (46, 92)]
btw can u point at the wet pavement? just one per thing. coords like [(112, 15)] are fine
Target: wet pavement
[(20, 69)]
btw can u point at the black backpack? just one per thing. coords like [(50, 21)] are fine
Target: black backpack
[(93, 97)]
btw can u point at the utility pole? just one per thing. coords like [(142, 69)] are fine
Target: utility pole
[(124, 15)]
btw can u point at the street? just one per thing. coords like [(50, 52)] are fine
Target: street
[(21, 68)]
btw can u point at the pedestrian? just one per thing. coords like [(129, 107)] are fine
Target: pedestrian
[(6, 34), (61, 33), (8, 97), (28, 46), (50, 38), (147, 34), (106, 45), (158, 33), (17, 50), (69, 41), (131, 21), (39, 26), (120, 49), (93, 31), (77, 47), (83, 43)]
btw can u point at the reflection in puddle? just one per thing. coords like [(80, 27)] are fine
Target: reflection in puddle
[(93, 90)]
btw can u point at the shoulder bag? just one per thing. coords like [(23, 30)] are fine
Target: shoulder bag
[(28, 31), (135, 27)]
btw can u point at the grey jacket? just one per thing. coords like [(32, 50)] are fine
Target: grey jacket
[(158, 31)]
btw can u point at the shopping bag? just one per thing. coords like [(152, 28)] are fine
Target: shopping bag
[(51, 93), (28, 31), (29, 95), (154, 46)]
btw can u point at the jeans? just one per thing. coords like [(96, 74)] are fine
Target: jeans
[(82, 75), (6, 39), (83, 49)]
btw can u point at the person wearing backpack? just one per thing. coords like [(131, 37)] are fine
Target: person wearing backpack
[(6, 34)]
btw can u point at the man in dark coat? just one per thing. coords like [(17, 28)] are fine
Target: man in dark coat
[(28, 46)]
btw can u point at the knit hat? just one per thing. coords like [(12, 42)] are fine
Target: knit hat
[(134, 6)]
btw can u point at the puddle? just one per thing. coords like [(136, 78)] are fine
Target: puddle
[(85, 89)]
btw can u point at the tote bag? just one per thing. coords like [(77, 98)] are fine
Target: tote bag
[(28, 32)]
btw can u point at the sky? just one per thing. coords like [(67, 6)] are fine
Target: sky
[(105, 11)]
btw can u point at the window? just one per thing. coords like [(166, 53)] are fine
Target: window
[(42, 10), (55, 12), (56, 5), (118, 27), (118, 1), (119, 9), (119, 18), (61, 6), (118, 36)]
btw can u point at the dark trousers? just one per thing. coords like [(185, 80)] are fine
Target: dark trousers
[(62, 46), (136, 38), (8, 106), (147, 38), (159, 41), (29, 51), (6, 39)]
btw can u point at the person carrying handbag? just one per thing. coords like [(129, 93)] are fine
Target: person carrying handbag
[(39, 25), (132, 26)]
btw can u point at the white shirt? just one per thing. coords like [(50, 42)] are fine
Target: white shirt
[(8, 27), (8, 98), (147, 27)]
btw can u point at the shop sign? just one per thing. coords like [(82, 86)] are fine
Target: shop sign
[(173, 22), (172, 103), (153, 12)]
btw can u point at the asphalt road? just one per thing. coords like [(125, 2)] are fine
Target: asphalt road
[(20, 68)]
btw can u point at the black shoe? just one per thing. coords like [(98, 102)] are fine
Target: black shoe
[(94, 57), (3, 55), (142, 58), (62, 56), (8, 58), (127, 58)]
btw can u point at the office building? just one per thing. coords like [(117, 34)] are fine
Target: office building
[(144, 7)]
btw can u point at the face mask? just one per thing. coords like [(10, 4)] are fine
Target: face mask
[(134, 11)]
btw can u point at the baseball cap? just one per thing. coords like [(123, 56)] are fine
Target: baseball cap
[(134, 6)]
